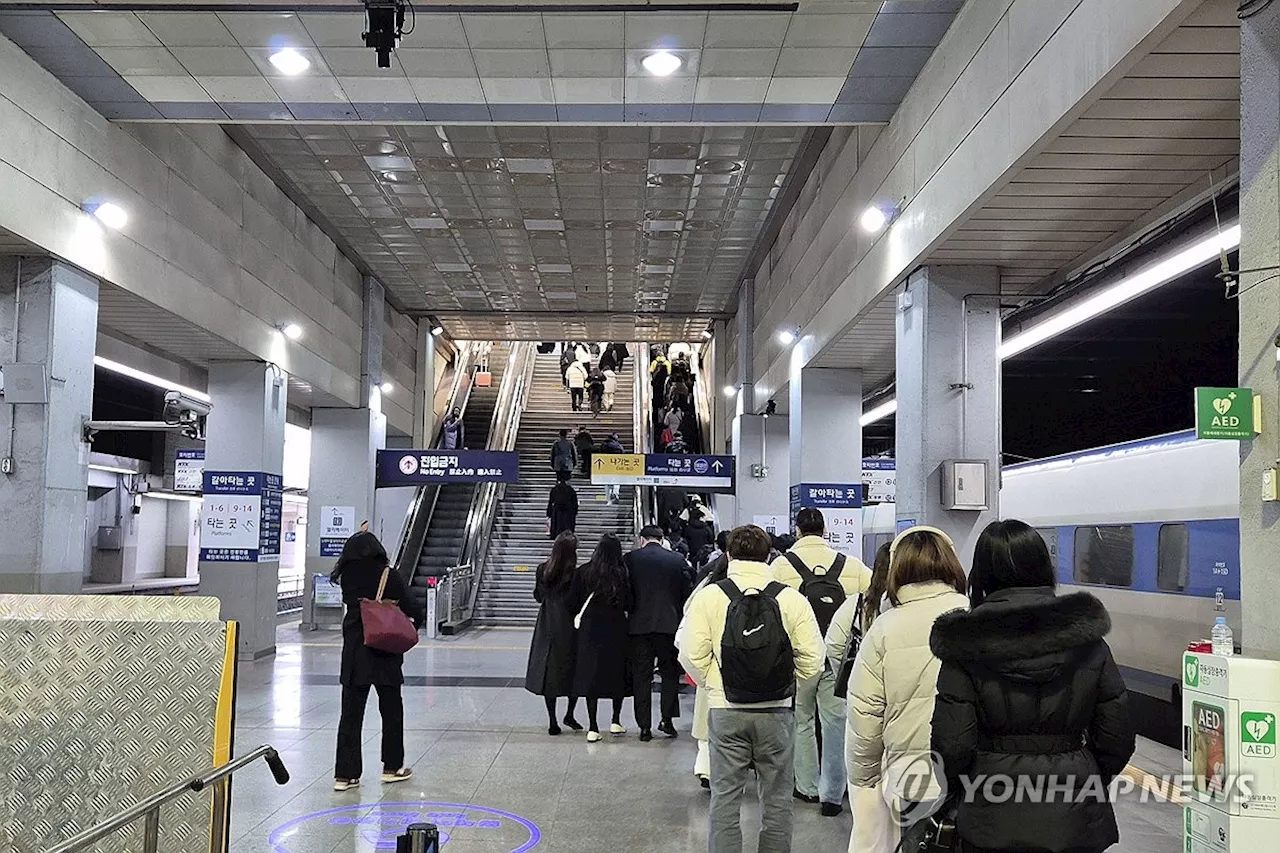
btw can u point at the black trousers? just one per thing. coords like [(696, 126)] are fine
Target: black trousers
[(645, 649), (575, 398), (350, 764)]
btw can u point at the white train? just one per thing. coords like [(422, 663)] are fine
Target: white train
[(1152, 529)]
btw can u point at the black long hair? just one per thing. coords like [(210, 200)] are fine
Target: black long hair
[(606, 575), (563, 560), (362, 549), (876, 590), (1009, 553)]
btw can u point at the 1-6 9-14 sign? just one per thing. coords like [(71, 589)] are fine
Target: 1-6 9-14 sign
[(1225, 413)]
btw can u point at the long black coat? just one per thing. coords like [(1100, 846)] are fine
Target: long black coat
[(562, 509), (553, 650), (1028, 689), (659, 586), (601, 667), (362, 665)]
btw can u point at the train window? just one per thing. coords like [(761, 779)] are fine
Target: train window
[(1173, 558), (1050, 537), (1104, 555)]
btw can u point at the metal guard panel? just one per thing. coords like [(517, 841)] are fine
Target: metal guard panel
[(121, 608), (95, 715)]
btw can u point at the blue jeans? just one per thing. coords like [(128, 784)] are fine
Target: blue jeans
[(817, 698)]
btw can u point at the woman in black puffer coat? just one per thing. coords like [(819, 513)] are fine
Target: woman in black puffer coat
[(1028, 691)]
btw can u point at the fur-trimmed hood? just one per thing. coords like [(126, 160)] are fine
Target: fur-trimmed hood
[(1026, 633)]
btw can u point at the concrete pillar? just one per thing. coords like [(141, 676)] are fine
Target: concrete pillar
[(245, 436), (948, 386), (424, 397), (826, 446), (758, 440), (1259, 303), (42, 548)]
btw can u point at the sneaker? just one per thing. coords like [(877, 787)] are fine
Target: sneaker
[(831, 809), (646, 736), (389, 776), (705, 782), (593, 737), (345, 784), (668, 728), (804, 798), (616, 729)]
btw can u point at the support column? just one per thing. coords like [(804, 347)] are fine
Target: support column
[(761, 441), (948, 380), (826, 449), (424, 406), (1259, 303), (344, 453), (43, 549), (244, 457)]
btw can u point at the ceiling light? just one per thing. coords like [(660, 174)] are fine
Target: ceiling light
[(386, 387), (877, 217), (148, 378), (730, 391), (1127, 288), (289, 61), (109, 214), (786, 337), (292, 331), (437, 330), (880, 412), (661, 63)]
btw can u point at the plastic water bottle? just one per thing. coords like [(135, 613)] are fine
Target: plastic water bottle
[(1223, 644)]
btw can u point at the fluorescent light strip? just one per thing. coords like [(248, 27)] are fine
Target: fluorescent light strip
[(149, 378), (1125, 290), (110, 469), (170, 496)]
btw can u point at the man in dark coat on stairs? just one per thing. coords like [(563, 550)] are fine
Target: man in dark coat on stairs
[(562, 506)]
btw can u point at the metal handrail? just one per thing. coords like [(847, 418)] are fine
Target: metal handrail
[(512, 399), (149, 809), (642, 412)]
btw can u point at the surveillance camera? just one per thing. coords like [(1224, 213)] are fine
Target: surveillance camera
[(180, 408), (771, 408)]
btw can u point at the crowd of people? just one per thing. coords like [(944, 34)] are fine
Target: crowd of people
[(589, 372), (826, 679), (672, 376)]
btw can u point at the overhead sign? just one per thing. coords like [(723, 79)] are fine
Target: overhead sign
[(841, 506), (188, 471), (1224, 413), (421, 467), (240, 520), (337, 525), (880, 480), (698, 472)]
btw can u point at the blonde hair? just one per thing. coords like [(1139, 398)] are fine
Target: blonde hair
[(923, 554)]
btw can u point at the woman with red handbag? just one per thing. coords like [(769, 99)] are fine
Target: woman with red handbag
[(370, 585)]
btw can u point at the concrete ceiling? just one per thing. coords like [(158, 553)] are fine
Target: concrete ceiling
[(808, 62), (11, 244), (1145, 147)]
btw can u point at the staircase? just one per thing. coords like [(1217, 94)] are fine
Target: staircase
[(520, 531), (443, 544)]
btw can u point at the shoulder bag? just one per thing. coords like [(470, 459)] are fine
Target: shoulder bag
[(841, 687), (386, 627), (577, 620)]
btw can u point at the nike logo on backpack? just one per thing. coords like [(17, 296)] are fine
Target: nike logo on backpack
[(753, 630)]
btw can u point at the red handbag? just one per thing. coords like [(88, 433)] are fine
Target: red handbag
[(386, 628)]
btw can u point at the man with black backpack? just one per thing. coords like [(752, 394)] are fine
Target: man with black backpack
[(826, 579), (747, 641)]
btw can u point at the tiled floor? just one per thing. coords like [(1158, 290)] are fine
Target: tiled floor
[(486, 771)]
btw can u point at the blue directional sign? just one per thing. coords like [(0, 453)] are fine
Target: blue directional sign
[(419, 467), (699, 472), (826, 496)]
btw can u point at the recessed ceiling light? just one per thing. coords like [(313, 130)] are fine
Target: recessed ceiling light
[(289, 61), (786, 337), (437, 331), (386, 387), (292, 331), (662, 63), (109, 214)]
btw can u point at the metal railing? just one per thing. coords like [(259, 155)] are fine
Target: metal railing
[(418, 515), (148, 810), (642, 412), (503, 429), (448, 600)]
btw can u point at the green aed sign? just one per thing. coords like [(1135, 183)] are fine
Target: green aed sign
[(1224, 413)]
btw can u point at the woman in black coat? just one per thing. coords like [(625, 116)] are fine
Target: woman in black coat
[(359, 571), (551, 654), (562, 506), (601, 668), (1028, 690)]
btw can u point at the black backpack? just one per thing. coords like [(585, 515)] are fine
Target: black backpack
[(757, 663), (824, 592)]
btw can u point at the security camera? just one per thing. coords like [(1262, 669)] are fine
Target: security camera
[(385, 21), (187, 412)]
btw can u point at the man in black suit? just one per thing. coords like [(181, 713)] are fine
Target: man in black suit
[(659, 586)]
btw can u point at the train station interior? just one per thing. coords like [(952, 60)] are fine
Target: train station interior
[(292, 291)]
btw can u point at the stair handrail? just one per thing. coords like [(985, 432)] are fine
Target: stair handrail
[(148, 809), (413, 537), (642, 412), (503, 431)]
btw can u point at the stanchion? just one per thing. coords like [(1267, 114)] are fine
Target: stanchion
[(419, 838), (433, 606)]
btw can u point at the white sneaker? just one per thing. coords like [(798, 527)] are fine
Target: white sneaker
[(615, 729), (345, 784), (593, 737), (389, 776)]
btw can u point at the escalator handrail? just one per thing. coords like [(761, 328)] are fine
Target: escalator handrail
[(418, 515), (642, 411), (504, 429)]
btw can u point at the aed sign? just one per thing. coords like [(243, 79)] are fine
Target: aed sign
[(1258, 734), (1224, 413)]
